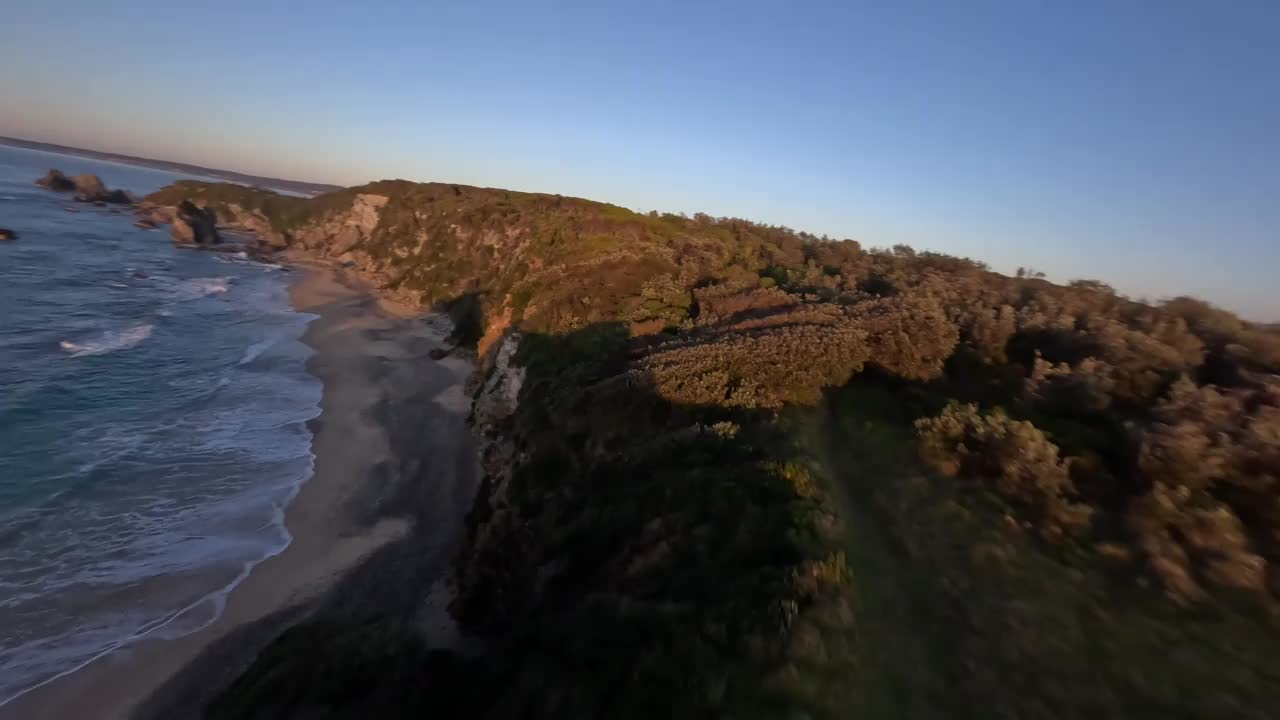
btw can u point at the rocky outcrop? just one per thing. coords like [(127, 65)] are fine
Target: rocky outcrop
[(150, 215), (7, 235), (235, 217), (344, 235), (90, 188), (56, 181), (194, 225), (342, 231), (87, 187)]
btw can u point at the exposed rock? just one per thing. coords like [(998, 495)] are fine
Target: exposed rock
[(145, 224), (7, 235), (234, 217), (492, 408), (88, 188), (494, 330), (56, 181), (140, 275), (500, 395), (194, 225), (358, 224), (151, 215)]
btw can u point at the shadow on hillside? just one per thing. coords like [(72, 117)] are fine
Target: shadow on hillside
[(653, 559)]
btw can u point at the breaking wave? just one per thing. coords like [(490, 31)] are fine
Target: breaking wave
[(108, 342)]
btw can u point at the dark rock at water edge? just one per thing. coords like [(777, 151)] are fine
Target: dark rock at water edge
[(7, 235), (195, 225), (55, 180), (90, 188)]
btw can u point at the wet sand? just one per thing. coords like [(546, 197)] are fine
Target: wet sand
[(393, 467)]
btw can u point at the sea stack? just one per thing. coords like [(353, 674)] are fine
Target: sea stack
[(195, 225)]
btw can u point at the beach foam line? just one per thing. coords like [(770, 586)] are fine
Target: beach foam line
[(218, 597), (252, 352), (242, 258)]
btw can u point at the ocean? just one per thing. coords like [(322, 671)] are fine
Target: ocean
[(153, 423)]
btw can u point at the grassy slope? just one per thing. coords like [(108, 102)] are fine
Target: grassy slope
[(965, 617)]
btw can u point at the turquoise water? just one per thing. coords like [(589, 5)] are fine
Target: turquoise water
[(153, 424)]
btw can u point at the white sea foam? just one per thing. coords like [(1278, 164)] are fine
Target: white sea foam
[(202, 287), (252, 352), (241, 258), (160, 501), (108, 342)]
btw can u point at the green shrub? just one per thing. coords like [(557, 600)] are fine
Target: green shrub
[(1011, 457)]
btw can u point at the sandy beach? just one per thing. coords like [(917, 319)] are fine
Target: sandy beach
[(394, 476)]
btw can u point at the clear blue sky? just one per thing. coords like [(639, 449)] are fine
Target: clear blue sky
[(1133, 142)]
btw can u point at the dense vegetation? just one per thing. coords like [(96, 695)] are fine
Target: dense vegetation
[(758, 472)]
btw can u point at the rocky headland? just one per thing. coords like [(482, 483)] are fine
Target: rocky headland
[(734, 470)]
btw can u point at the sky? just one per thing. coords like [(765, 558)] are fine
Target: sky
[(1133, 142)]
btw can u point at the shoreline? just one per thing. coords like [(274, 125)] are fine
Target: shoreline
[(371, 356)]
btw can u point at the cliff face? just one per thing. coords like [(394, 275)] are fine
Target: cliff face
[(638, 557), (494, 520), (737, 471)]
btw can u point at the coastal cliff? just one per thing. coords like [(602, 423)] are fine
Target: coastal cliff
[(740, 471)]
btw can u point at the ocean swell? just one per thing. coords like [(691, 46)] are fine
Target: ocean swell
[(154, 408)]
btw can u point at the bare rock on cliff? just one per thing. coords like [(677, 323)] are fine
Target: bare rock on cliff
[(195, 225), (7, 235), (56, 181)]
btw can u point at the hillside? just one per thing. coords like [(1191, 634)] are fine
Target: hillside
[(734, 470)]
